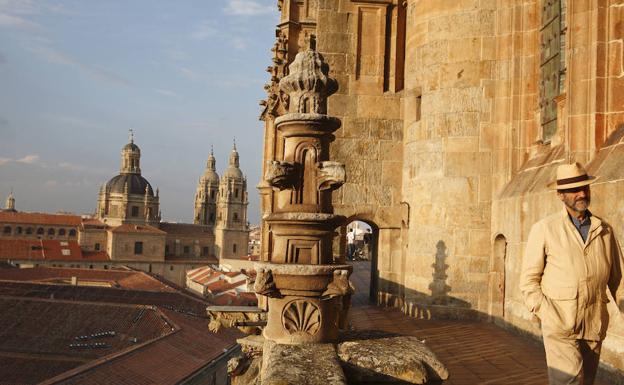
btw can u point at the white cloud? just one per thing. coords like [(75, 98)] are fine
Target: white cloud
[(166, 92), (15, 14), (51, 183), (4, 161), (206, 29), (28, 159), (239, 43), (189, 73), (54, 56), (12, 21), (71, 166), (248, 8)]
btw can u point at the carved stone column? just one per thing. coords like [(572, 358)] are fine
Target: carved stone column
[(307, 295)]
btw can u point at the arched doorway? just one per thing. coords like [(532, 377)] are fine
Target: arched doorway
[(497, 278), (363, 256)]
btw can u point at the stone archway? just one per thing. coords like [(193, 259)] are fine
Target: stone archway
[(496, 284), (369, 262)]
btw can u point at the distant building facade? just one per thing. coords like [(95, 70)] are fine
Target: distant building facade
[(127, 228)]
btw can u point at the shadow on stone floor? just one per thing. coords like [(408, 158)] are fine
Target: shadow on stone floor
[(475, 351)]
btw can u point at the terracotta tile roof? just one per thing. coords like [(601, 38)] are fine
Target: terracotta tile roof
[(167, 360), (46, 249), (230, 299), (128, 228), (188, 229), (222, 285), (131, 279), (52, 329), (203, 275), (40, 218), (93, 222)]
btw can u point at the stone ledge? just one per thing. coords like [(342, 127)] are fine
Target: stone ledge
[(390, 360), (308, 364)]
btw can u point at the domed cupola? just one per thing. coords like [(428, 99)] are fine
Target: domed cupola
[(130, 157), (128, 197)]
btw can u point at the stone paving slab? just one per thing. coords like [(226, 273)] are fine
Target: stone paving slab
[(473, 352)]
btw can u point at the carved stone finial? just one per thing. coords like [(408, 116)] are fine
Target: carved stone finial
[(308, 84)]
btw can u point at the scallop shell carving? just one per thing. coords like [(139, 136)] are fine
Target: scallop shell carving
[(301, 316)]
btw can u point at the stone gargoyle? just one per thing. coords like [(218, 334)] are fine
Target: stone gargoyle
[(339, 286), (280, 174), (331, 175), (265, 285), (244, 321)]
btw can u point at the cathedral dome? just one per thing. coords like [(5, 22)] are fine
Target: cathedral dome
[(131, 147), (136, 184), (233, 172)]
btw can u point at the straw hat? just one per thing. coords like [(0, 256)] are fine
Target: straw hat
[(571, 176)]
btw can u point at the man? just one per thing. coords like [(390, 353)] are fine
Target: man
[(571, 259), (350, 245)]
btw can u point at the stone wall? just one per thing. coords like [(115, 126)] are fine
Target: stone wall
[(441, 104)]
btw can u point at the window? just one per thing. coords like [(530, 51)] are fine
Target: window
[(234, 248), (205, 251), (212, 194), (552, 63), (211, 218), (18, 230), (29, 230), (51, 232), (166, 249), (138, 248), (97, 246), (236, 193), (135, 211), (171, 268), (62, 232), (40, 231), (235, 217), (7, 230), (72, 233), (187, 249)]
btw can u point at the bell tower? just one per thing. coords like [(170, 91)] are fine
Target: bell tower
[(232, 231), (206, 195)]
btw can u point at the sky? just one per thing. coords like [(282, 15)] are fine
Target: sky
[(75, 76)]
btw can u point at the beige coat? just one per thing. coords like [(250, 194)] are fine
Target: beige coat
[(564, 280)]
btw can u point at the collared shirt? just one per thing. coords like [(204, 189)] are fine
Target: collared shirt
[(582, 227)]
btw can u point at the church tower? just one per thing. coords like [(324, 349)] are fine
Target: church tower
[(232, 231), (10, 202), (206, 195), (128, 197)]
